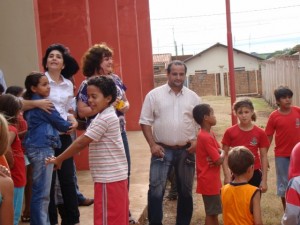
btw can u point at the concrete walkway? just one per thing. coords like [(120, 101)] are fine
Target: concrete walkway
[(140, 160)]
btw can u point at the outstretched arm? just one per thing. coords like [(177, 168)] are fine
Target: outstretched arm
[(78, 145)]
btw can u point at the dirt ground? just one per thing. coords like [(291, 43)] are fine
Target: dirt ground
[(271, 206)]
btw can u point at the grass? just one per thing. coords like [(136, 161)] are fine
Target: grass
[(271, 206), (270, 203)]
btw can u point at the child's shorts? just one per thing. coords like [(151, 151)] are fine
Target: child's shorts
[(282, 170), (212, 204)]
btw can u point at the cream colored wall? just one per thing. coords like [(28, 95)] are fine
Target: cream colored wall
[(18, 48), (212, 59)]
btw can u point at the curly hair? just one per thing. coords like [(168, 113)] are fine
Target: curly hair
[(92, 59), (106, 85)]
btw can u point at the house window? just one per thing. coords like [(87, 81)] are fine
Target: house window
[(239, 69), (156, 69), (201, 71)]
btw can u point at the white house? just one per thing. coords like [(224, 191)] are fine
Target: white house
[(215, 60)]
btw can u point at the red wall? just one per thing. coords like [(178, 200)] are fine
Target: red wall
[(123, 24)]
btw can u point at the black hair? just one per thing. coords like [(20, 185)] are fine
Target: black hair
[(240, 159), (33, 79), (200, 111), (244, 103), (177, 63), (10, 105), (1, 89), (106, 85), (15, 90), (282, 92), (70, 64), (92, 59)]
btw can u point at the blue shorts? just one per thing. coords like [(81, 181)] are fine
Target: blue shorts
[(282, 170)]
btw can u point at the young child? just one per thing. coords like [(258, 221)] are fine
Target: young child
[(39, 142), (209, 157), (240, 200), (107, 158), (6, 183), (285, 123), (10, 106), (22, 129), (247, 134), (292, 210)]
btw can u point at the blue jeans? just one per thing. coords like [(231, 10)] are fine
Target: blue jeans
[(184, 165), (41, 184), (18, 202), (127, 152)]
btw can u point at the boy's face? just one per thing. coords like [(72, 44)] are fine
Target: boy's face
[(284, 102), (212, 118), (96, 99)]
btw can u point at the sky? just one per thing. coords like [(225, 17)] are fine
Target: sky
[(261, 26)]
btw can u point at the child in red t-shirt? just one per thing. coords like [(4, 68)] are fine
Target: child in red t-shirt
[(209, 157), (247, 134), (284, 122)]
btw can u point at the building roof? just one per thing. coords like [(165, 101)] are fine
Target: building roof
[(162, 58), (224, 46), (181, 57)]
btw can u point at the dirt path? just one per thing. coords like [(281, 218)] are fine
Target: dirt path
[(271, 205)]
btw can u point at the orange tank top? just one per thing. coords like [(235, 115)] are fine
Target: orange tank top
[(236, 201)]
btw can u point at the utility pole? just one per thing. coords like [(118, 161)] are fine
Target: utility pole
[(175, 45), (230, 59)]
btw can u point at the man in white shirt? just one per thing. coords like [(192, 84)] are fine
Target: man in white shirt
[(169, 128)]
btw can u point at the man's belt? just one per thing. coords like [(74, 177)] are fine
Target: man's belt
[(174, 147)]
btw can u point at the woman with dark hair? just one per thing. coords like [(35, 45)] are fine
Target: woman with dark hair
[(59, 66)]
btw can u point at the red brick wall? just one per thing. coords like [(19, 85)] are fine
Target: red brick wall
[(209, 84)]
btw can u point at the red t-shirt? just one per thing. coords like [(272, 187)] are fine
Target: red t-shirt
[(287, 131), (253, 139), (18, 172), (208, 177)]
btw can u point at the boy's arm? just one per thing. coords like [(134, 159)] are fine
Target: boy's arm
[(78, 145), (44, 104), (226, 171), (256, 208), (264, 166), (221, 159)]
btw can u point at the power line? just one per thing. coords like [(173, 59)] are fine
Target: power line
[(222, 14)]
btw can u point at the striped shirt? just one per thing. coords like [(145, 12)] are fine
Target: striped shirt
[(107, 157), (170, 115)]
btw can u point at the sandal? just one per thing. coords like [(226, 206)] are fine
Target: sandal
[(133, 221), (25, 219)]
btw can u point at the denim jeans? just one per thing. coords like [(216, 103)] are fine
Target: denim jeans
[(67, 185), (184, 164), (127, 152), (18, 202), (41, 184)]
